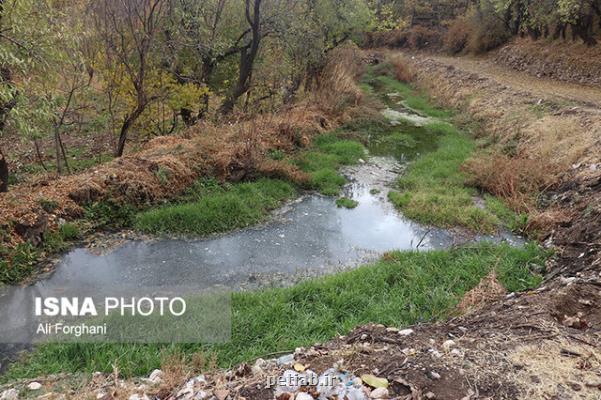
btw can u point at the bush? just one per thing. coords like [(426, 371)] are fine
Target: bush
[(420, 37), (488, 30), (458, 34)]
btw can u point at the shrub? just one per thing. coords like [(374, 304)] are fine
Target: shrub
[(420, 37), (458, 34), (69, 232), (488, 30)]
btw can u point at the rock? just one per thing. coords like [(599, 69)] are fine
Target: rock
[(434, 375), (156, 376), (447, 345), (9, 394), (406, 332), (221, 394), (101, 395), (379, 393), (303, 396), (430, 396), (34, 386), (136, 396), (201, 395), (392, 330), (286, 360)]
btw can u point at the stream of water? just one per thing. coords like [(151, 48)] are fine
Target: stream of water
[(308, 237)]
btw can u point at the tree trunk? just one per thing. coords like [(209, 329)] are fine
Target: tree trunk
[(122, 137), (3, 174), (247, 58), (58, 155)]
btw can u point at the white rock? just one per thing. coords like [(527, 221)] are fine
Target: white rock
[(456, 352), (303, 396), (448, 345), (379, 393), (355, 394), (406, 332), (434, 375), (286, 360), (100, 394), (201, 395), (10, 394), (34, 386), (138, 397), (392, 330), (156, 376)]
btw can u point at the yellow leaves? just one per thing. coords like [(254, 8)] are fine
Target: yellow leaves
[(374, 381)]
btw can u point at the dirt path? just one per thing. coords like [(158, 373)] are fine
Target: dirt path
[(545, 88)]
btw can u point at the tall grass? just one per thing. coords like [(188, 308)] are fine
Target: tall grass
[(214, 208)]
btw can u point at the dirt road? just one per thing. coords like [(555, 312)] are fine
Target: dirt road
[(545, 88)]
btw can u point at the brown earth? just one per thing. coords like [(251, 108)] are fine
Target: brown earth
[(566, 61)]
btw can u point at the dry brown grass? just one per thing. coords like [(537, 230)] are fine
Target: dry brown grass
[(488, 290), (516, 179), (457, 35), (403, 70), (563, 370)]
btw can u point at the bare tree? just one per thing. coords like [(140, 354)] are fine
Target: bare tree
[(128, 29)]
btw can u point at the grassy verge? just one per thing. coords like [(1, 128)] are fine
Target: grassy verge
[(433, 191), (401, 289), (212, 208), (322, 162)]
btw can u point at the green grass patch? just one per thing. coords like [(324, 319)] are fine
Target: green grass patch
[(322, 162), (217, 208), (516, 222), (433, 190), (403, 288), (345, 202)]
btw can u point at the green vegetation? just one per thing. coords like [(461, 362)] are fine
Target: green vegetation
[(327, 155), (216, 208), (18, 263), (401, 289), (345, 202), (433, 190)]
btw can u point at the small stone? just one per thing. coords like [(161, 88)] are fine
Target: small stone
[(434, 375), (10, 394), (34, 386), (430, 396), (101, 395), (363, 337), (379, 393), (392, 330), (221, 394), (201, 395), (456, 352), (136, 396), (286, 360), (406, 332), (156, 376), (448, 344), (303, 396)]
